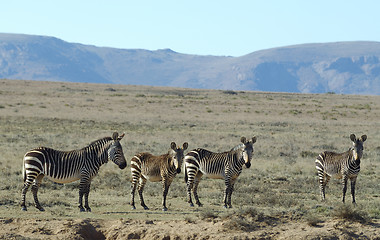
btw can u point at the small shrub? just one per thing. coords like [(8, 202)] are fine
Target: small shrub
[(188, 219), (230, 92), (312, 220), (308, 154), (239, 224), (110, 89), (208, 214), (246, 220), (295, 112), (347, 213), (252, 213)]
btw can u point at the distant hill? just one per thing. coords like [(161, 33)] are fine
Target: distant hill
[(341, 67)]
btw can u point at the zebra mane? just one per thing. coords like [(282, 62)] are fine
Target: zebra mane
[(237, 147), (99, 142)]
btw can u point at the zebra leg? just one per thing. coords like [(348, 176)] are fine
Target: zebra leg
[(133, 189), (323, 186), (344, 182), (23, 195), (86, 193), (195, 189), (141, 189), (227, 191), (136, 175), (165, 185), (80, 206), (35, 186), (83, 188), (29, 179), (225, 197), (190, 184), (230, 194), (189, 178), (353, 182)]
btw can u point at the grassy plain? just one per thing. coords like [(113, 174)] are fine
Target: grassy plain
[(278, 197)]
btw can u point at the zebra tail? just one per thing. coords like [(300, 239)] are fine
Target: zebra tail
[(23, 172)]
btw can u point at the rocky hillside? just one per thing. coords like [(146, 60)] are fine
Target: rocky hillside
[(342, 67)]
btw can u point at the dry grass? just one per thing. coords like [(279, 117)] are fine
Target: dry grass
[(291, 130), (346, 212)]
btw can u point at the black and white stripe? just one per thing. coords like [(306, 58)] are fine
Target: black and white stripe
[(341, 165), (66, 167), (226, 165), (145, 166)]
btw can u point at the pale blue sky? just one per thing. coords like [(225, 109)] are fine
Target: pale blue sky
[(204, 27)]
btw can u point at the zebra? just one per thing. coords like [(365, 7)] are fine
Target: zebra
[(70, 166), (341, 165), (145, 166), (225, 165)]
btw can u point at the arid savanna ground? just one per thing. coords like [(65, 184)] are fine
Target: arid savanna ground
[(277, 198)]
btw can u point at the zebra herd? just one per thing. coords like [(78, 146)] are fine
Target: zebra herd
[(84, 164)]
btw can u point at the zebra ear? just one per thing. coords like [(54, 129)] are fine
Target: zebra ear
[(253, 139), (121, 136), (364, 137), (185, 145), (243, 139), (353, 137), (115, 135), (173, 145)]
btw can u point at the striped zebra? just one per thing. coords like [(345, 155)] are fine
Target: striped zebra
[(226, 165), (145, 166), (66, 167), (341, 165)]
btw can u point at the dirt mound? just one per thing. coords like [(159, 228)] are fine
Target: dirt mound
[(86, 230)]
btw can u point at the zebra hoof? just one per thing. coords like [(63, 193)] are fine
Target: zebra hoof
[(191, 205), (40, 208), (24, 208), (81, 209), (133, 207), (165, 209), (88, 209), (146, 208)]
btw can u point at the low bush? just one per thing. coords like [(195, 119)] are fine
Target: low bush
[(346, 212)]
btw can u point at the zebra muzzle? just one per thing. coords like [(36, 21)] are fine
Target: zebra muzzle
[(248, 164), (178, 170), (123, 165)]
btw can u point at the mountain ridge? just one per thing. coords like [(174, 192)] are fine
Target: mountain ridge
[(341, 67)]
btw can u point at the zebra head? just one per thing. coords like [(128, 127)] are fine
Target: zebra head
[(177, 155), (358, 148), (247, 150), (115, 151)]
